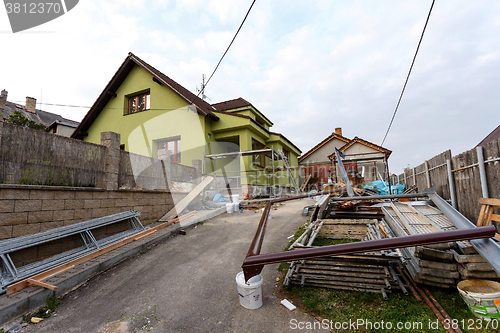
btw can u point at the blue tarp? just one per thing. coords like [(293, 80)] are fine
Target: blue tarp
[(383, 189), (220, 198)]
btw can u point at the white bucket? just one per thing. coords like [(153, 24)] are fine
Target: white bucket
[(229, 208), (236, 208), (235, 198), (482, 297), (250, 293)]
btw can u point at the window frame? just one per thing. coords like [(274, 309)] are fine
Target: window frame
[(177, 153), (147, 102), (258, 160)]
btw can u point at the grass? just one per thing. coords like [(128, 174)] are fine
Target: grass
[(52, 304), (338, 307)]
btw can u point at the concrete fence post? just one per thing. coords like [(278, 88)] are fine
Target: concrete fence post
[(482, 172), (111, 141), (451, 182), (165, 156), (427, 174), (3, 100), (198, 172)]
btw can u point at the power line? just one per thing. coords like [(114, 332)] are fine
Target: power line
[(248, 12), (409, 72)]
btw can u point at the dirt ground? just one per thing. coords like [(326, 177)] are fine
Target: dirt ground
[(186, 283)]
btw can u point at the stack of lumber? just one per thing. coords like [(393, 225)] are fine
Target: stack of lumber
[(473, 266), (372, 272), (434, 265)]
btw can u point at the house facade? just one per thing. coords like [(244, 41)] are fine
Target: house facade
[(155, 116), (364, 161)]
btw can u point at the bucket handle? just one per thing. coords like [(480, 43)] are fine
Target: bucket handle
[(472, 297), (248, 293)]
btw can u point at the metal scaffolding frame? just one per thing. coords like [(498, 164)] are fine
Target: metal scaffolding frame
[(274, 155)]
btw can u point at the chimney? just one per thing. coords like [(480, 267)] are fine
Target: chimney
[(338, 131), (3, 100), (31, 104)]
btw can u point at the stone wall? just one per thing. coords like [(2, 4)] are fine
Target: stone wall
[(27, 210)]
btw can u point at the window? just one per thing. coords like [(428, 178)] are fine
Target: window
[(174, 146), (138, 103), (258, 160)]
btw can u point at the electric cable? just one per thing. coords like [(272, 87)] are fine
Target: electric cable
[(409, 72)]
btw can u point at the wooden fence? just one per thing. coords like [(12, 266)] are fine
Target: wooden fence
[(466, 177), (34, 157)]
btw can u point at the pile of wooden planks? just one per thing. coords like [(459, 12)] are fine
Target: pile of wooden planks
[(440, 265)]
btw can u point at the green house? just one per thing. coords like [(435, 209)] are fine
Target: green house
[(157, 117)]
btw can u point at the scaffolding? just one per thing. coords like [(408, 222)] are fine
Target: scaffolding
[(234, 182)]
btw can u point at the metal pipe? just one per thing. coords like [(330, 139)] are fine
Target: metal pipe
[(412, 290), (414, 178), (427, 175), (371, 197), (451, 182), (439, 307), (253, 263), (308, 195), (487, 248), (482, 171)]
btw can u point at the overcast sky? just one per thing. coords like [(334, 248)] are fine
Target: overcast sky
[(309, 66)]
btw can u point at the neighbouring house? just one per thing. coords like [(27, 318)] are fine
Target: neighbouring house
[(494, 135), (362, 159), (56, 123), (157, 117)]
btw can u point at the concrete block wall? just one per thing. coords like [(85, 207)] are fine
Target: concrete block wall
[(27, 210)]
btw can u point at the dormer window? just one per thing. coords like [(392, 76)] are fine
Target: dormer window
[(138, 103)]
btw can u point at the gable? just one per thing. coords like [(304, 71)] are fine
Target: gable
[(359, 148), (321, 154)]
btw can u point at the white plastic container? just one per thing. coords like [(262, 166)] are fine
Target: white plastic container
[(235, 198), (250, 293), (229, 208), (236, 208), (482, 297)]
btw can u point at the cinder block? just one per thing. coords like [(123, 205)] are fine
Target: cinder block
[(73, 204), (6, 206), (41, 194), (95, 203), (126, 194), (139, 195), (27, 205), (114, 194), (99, 212), (122, 203), (115, 210), (107, 203), (145, 202), (66, 195), (147, 209), (61, 215), (85, 214), (7, 193), (6, 232), (70, 244), (50, 225), (48, 250), (13, 218), (52, 204), (41, 216), (24, 256), (100, 195), (25, 229), (83, 194)]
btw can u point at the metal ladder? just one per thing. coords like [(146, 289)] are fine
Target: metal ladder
[(282, 156), (11, 274)]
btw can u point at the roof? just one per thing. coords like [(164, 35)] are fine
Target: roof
[(121, 74), (494, 135), (324, 142), (236, 104), (365, 143), (39, 116), (65, 122), (289, 142)]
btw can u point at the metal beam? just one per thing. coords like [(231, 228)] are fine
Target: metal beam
[(350, 192)]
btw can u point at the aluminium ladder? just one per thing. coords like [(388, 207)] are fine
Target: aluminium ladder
[(282, 156)]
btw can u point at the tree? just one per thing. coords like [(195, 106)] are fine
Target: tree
[(17, 118)]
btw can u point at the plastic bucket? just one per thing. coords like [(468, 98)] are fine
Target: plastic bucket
[(229, 208), (235, 198), (482, 297), (236, 207), (250, 293)]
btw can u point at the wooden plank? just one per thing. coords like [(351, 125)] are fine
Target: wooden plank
[(145, 235), (181, 205), (438, 265), (482, 213), (402, 219), (466, 274), (439, 273), (436, 279), (490, 201), (475, 266), (473, 258), (42, 284), (433, 254)]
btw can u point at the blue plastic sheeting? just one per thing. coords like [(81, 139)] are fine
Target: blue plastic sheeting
[(220, 198), (383, 188)]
